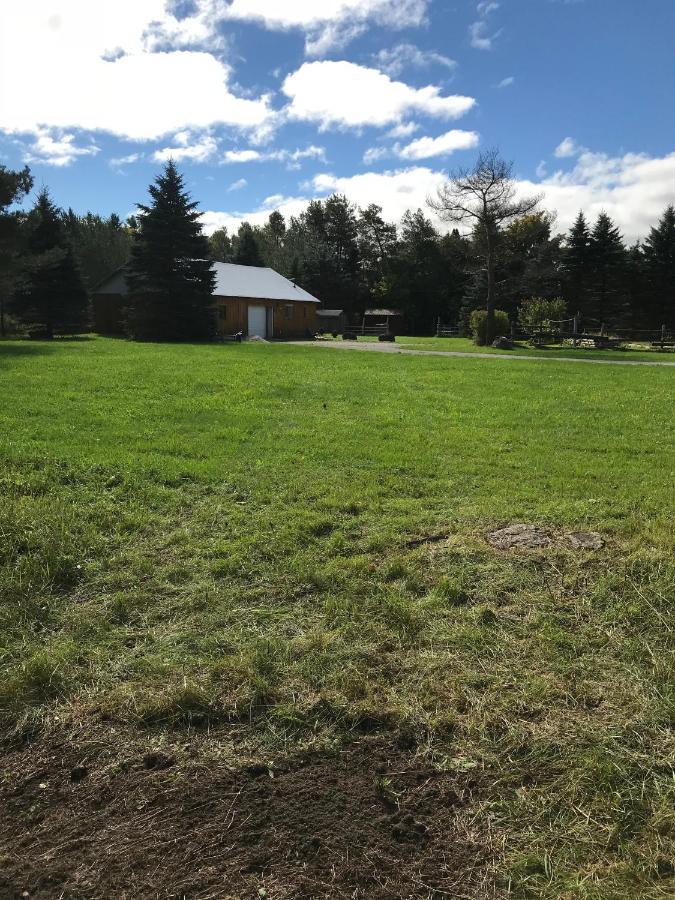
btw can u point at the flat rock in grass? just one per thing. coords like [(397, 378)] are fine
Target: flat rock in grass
[(519, 535), (586, 540)]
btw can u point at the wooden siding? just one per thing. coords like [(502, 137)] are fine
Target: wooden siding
[(292, 319)]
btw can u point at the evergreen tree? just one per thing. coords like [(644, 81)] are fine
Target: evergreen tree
[(220, 244), (171, 279), (659, 269), (53, 298), (530, 262), (13, 187), (272, 241), (608, 267), (637, 288), (101, 245), (247, 252), (577, 266)]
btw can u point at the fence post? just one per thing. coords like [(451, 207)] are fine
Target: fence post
[(663, 336), (438, 326), (513, 330)]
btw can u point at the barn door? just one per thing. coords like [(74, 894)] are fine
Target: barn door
[(257, 321)]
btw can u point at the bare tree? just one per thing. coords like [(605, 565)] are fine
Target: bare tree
[(484, 196)]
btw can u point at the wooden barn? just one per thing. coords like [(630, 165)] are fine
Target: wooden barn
[(256, 301)]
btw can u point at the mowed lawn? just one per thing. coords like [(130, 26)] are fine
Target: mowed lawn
[(281, 548), (644, 353)]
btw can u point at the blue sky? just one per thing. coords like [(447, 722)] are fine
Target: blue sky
[(267, 103)]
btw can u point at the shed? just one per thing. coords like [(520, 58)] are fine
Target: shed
[(257, 301), (331, 320), (389, 319)]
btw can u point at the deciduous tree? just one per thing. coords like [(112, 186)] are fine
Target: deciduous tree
[(484, 197)]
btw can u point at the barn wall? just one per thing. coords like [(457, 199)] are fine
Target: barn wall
[(235, 318), (107, 310), (108, 315)]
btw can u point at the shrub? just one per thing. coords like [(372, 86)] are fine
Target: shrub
[(537, 313), (478, 322)]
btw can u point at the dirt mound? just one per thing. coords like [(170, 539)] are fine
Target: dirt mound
[(369, 821)]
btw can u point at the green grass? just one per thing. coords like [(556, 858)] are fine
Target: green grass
[(522, 348), (196, 535)]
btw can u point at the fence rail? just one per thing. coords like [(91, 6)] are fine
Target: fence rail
[(366, 330), (584, 333)]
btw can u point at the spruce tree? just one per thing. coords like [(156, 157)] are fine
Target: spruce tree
[(171, 278), (247, 252), (659, 268), (577, 266), (608, 265), (52, 299), (13, 187)]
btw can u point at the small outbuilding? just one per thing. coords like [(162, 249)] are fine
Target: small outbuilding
[(389, 320), (331, 320), (256, 301)]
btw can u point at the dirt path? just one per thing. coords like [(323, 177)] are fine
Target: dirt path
[(397, 348)]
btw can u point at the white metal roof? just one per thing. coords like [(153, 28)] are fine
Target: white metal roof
[(255, 282), (232, 281)]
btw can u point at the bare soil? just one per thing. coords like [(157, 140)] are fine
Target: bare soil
[(372, 820)]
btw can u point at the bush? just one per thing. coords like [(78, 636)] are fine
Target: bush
[(478, 323), (537, 313)]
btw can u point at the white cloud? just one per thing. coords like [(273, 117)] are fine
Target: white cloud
[(568, 147), (404, 130), (395, 191), (91, 66), (291, 157), (199, 151), (394, 60), (56, 150), (479, 35), (633, 189), (372, 154), (485, 7), (480, 39), (329, 23), (507, 82), (343, 94), (238, 185), (289, 206), (119, 161), (242, 156), (443, 145)]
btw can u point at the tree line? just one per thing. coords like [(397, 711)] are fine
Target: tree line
[(351, 258)]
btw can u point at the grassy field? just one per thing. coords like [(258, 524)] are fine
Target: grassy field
[(251, 552), (522, 348)]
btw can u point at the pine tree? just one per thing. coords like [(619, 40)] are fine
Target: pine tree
[(577, 267), (659, 268), (608, 266), (171, 278), (247, 252), (13, 187), (220, 244), (53, 298)]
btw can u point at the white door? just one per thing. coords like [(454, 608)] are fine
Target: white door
[(257, 321)]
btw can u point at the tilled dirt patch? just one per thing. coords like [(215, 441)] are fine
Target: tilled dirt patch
[(369, 821)]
